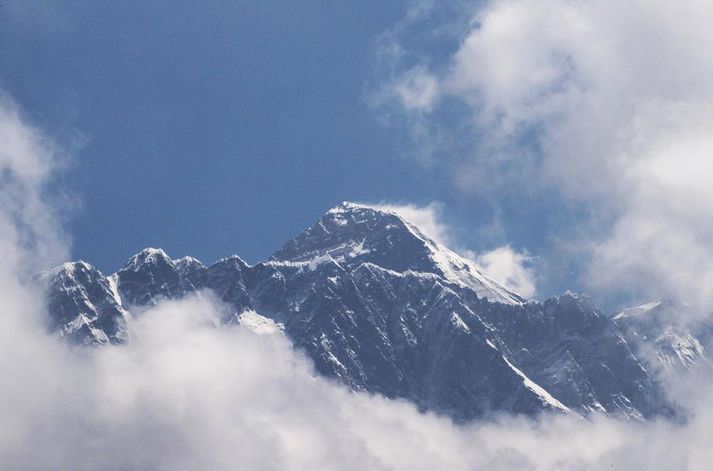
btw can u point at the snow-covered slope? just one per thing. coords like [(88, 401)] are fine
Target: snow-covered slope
[(654, 329), (382, 308)]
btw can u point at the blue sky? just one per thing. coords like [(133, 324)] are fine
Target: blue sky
[(211, 129), (208, 128), (214, 128)]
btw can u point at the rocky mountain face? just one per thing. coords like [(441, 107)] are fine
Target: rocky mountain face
[(381, 307), (84, 305)]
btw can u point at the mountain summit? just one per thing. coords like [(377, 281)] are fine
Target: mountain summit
[(380, 307), (351, 234)]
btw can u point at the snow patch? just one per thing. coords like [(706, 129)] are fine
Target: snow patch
[(541, 392), (458, 322), (637, 311)]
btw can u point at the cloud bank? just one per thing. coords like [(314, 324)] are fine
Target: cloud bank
[(609, 104), (188, 395)]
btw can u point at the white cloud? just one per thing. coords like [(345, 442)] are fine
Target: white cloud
[(610, 103), (28, 159), (428, 219), (509, 268), (188, 395)]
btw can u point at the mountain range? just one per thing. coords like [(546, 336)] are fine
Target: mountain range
[(380, 307)]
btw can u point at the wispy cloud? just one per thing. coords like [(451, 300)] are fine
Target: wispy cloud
[(609, 104), (427, 218), (30, 230), (510, 268)]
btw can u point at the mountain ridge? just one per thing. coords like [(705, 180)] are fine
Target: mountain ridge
[(380, 307)]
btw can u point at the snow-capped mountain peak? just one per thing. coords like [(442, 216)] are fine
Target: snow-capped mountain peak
[(352, 233), (148, 256)]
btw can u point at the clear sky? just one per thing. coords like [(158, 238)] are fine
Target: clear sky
[(211, 128), (206, 128)]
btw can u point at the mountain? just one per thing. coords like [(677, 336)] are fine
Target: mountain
[(84, 305), (660, 338), (353, 234), (381, 307)]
